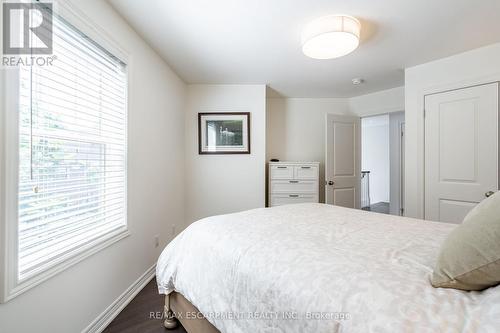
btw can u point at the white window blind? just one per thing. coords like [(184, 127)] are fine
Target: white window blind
[(72, 150)]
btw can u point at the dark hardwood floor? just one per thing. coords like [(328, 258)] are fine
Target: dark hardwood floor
[(379, 207), (143, 314)]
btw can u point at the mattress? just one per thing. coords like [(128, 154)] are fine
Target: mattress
[(320, 268)]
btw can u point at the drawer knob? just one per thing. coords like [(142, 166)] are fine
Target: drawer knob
[(306, 167), (294, 181), (293, 195), (282, 167)]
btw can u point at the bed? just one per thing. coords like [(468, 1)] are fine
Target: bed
[(315, 268)]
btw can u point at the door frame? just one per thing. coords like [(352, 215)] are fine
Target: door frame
[(401, 162), (402, 156), (419, 128)]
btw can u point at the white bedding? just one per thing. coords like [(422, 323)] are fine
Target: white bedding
[(320, 268)]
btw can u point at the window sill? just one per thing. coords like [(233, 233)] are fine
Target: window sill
[(63, 263)]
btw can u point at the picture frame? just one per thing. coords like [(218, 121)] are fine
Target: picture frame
[(223, 133)]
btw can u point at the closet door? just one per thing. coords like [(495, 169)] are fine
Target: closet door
[(461, 151)]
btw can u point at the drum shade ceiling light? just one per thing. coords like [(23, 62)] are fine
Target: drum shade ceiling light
[(331, 37)]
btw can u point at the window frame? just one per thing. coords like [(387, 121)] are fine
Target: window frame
[(10, 284)]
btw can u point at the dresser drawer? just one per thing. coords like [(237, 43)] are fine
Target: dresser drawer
[(284, 199), (294, 186), (282, 172), (306, 172)]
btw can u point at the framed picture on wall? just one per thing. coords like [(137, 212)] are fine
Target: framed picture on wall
[(224, 133)]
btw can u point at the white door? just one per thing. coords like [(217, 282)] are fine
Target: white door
[(343, 161), (461, 151)]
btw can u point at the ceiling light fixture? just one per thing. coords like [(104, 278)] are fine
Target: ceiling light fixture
[(331, 37)]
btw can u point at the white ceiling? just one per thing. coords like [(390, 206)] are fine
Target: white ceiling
[(258, 41)]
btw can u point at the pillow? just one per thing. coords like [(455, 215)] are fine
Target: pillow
[(469, 258)]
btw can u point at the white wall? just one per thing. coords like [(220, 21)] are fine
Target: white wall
[(375, 156), (71, 300), (218, 184), (396, 121), (385, 101), (296, 129), (296, 126), (478, 66)]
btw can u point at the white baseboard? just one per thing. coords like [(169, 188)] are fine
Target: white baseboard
[(105, 318)]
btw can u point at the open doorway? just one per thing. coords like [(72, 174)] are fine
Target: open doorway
[(382, 155)]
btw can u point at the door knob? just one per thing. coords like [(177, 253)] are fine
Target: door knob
[(489, 194), (330, 183)]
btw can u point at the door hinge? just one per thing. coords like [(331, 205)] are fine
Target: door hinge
[(425, 113), (402, 211)]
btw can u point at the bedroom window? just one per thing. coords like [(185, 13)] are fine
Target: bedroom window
[(72, 150)]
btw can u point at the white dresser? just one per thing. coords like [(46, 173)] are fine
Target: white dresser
[(293, 182)]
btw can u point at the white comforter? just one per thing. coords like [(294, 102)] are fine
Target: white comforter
[(320, 268)]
